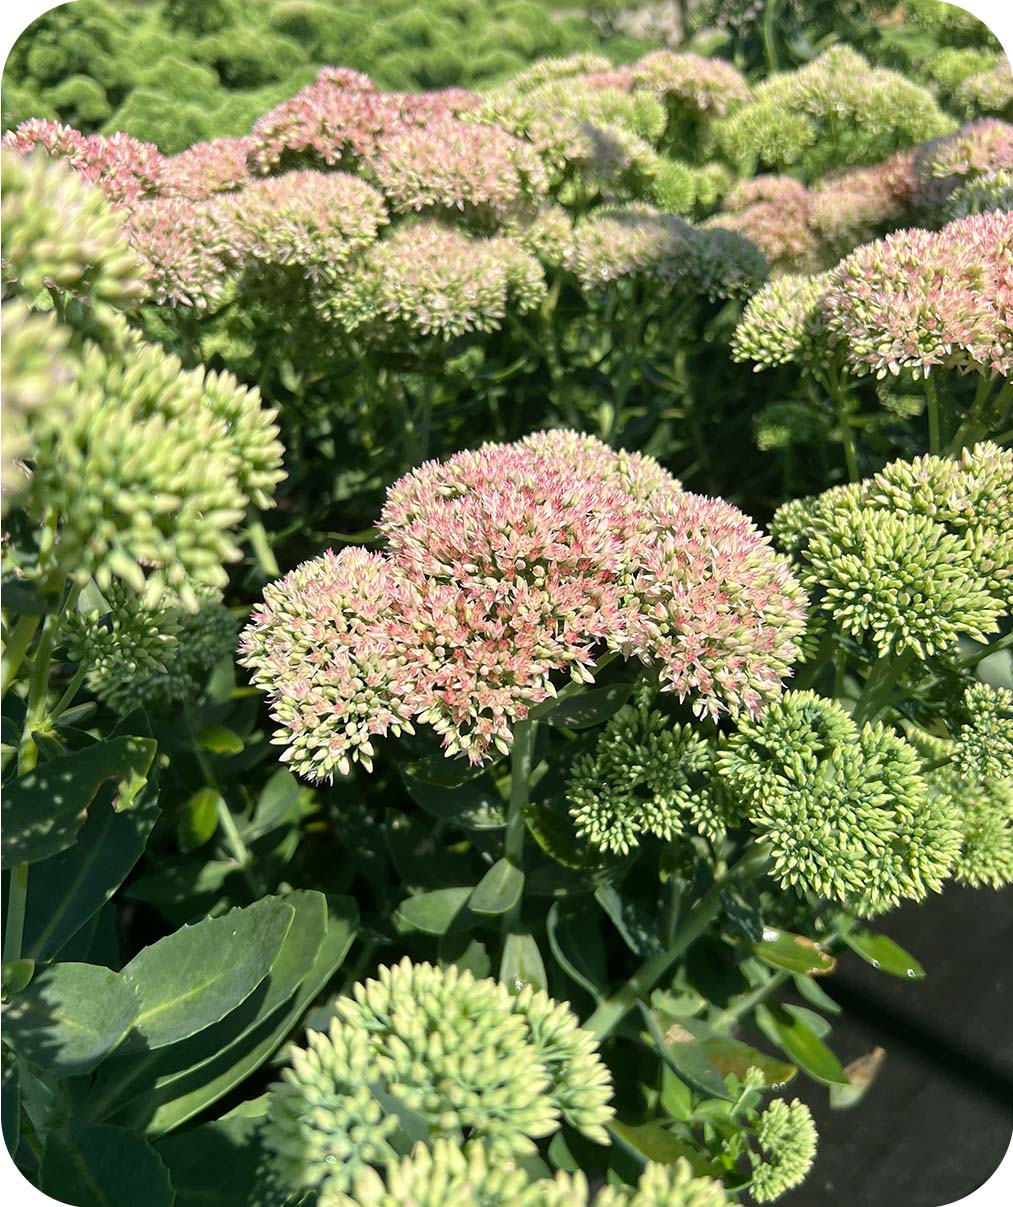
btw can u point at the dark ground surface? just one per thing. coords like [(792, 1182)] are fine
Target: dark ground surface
[(937, 1122)]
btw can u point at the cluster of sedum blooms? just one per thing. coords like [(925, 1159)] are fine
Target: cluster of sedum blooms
[(504, 569), (460, 1055), (435, 212), (915, 301), (143, 469)]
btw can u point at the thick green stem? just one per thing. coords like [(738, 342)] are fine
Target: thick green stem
[(16, 902), (1000, 643), (614, 1009), (521, 756), (880, 684), (975, 423), (71, 691), (728, 1018), (15, 650), (836, 390)]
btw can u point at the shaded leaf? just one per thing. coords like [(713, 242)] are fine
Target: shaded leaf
[(198, 819), (590, 707), (574, 947), (732, 1056), (216, 1165), (437, 912), (474, 804), (94, 1165), (680, 1044), (800, 1044), (218, 739), (44, 810), (794, 953), (70, 1016)]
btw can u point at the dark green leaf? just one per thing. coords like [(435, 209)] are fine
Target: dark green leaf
[(574, 947), (632, 923), (437, 912), (498, 890), (10, 1099), (277, 805), (553, 830), (70, 1016), (198, 819), (43, 811), (731, 1056), (191, 979), (799, 1043), (683, 1050), (655, 1143), (676, 1096), (217, 1165), (590, 707), (521, 963), (815, 1022), (816, 995), (475, 804), (794, 953), (92, 1165), (883, 953), (67, 890)]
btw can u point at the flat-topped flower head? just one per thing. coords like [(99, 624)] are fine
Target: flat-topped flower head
[(989, 91), (844, 812), (773, 213), (478, 171), (434, 280), (992, 191), (706, 85), (983, 146), (341, 119), (920, 299), (123, 168), (314, 221), (207, 168), (506, 569), (184, 248), (782, 323), (861, 204)]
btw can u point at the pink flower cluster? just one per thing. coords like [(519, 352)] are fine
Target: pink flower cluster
[(774, 213), (125, 169), (184, 249), (342, 119), (638, 241), (985, 146), (477, 170), (920, 299), (436, 280), (709, 85), (207, 168), (506, 568)]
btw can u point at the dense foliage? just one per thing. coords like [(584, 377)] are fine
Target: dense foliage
[(503, 585)]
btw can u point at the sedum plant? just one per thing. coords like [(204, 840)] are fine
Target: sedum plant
[(456, 715)]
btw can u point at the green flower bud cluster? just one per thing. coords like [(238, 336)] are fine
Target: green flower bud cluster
[(644, 776), (984, 809), (844, 812), (33, 374), (985, 742), (147, 468), (786, 1136), (993, 191), (782, 323), (788, 423), (142, 657), (913, 558), (60, 232), (448, 1176), (462, 1054), (835, 111)]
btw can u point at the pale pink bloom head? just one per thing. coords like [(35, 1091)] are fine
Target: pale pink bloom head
[(310, 220), (465, 167), (508, 569), (340, 119), (707, 85), (207, 168), (859, 205), (184, 249), (773, 213), (920, 299), (124, 168)]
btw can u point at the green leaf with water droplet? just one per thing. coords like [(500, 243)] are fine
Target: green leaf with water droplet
[(499, 890), (732, 1056), (522, 963), (883, 953), (794, 953), (798, 1041)]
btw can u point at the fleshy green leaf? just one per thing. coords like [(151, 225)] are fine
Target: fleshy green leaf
[(217, 739), (572, 945), (16, 975), (655, 1143), (682, 1048), (883, 953), (198, 819), (590, 707), (70, 1016), (215, 1165), (800, 1044), (794, 953), (44, 810), (522, 963), (68, 889), (475, 804), (731, 1056), (192, 978), (93, 1165), (498, 890), (437, 912)]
